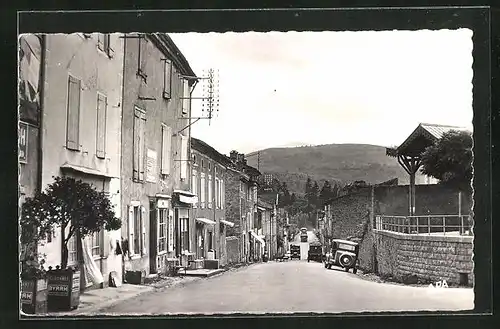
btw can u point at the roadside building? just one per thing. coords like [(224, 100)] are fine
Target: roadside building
[(208, 183), (241, 196), (82, 86), (155, 163), (266, 219)]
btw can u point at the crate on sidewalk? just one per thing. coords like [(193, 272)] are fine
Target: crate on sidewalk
[(135, 277), (211, 264)]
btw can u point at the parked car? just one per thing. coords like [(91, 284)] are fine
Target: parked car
[(344, 254), (294, 251), (315, 252), (303, 237)]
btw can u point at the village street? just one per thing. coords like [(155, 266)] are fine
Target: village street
[(293, 286)]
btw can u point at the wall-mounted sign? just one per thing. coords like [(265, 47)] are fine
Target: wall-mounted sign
[(23, 142), (151, 166)]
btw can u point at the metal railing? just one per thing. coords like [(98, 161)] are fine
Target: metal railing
[(431, 224)]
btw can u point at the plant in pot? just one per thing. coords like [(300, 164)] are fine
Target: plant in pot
[(78, 210), (35, 228)]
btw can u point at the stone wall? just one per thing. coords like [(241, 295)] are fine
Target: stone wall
[(232, 249), (425, 258)]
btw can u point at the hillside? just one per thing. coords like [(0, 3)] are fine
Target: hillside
[(334, 162)]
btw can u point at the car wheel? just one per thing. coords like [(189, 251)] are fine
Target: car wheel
[(354, 270)]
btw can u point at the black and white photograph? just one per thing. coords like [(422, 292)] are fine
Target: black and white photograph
[(245, 172)]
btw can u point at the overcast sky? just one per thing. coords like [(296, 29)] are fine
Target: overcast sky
[(288, 89)]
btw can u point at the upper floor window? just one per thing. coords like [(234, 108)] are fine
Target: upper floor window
[(103, 43), (167, 79), (184, 156), (73, 114), (139, 144), (186, 99), (101, 126)]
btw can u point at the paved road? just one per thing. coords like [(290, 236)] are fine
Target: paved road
[(294, 286)]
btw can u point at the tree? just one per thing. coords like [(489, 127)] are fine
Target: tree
[(75, 206), (315, 194), (449, 159)]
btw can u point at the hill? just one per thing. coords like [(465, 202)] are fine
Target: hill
[(334, 162)]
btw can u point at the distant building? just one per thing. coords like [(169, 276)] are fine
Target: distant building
[(267, 226)]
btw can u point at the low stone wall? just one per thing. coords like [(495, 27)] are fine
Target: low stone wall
[(232, 250), (427, 258)]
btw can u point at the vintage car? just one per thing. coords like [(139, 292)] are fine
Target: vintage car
[(303, 237), (294, 251), (315, 252), (343, 253)]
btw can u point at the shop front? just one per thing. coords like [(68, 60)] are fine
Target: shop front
[(162, 233), (183, 201), (205, 238)]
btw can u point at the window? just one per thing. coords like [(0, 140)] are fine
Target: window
[(72, 259), (141, 58), (139, 143), (194, 184), (101, 126), (103, 43), (73, 114), (166, 149), (210, 187), (186, 99), (184, 156), (23, 142), (202, 191), (184, 223), (194, 159), (167, 79), (97, 243), (217, 193), (202, 163), (162, 230), (136, 230), (209, 166)]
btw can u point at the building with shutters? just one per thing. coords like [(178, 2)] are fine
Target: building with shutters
[(208, 183), (155, 169), (241, 204), (81, 80)]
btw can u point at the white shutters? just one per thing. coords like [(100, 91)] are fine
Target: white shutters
[(217, 193), (184, 156), (202, 190), (131, 230), (170, 236), (194, 185), (210, 187), (143, 230), (101, 126), (167, 83), (185, 97), (73, 114), (139, 144), (166, 149)]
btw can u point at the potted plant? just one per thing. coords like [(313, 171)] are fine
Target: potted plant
[(75, 207), (34, 228)]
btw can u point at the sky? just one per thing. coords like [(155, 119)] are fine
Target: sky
[(284, 89)]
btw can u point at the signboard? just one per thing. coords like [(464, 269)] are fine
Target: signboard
[(151, 165), (23, 142), (27, 292)]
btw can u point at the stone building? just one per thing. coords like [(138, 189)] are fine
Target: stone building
[(241, 200), (155, 163), (266, 224), (208, 183), (80, 135)]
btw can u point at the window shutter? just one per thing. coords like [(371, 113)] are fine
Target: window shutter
[(185, 95), (73, 113), (142, 144), (136, 143), (131, 229), (223, 195), (170, 230), (184, 156), (143, 230), (167, 84), (101, 126), (166, 149)]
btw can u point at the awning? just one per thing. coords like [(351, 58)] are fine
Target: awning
[(162, 196), (186, 193), (205, 221), (258, 238), (188, 199), (85, 170), (228, 223), (261, 208)]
